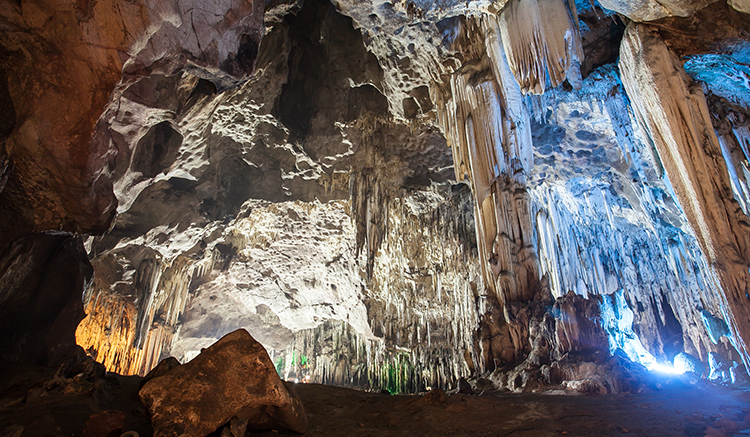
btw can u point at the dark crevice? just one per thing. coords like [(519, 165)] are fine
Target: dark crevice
[(600, 36), (7, 110), (327, 52), (157, 150)]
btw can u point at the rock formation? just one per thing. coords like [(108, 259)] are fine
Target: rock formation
[(60, 62), (297, 213), (391, 194), (234, 378), (675, 113), (42, 277)]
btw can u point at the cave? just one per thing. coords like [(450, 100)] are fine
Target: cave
[(386, 217)]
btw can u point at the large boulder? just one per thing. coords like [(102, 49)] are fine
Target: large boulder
[(234, 378)]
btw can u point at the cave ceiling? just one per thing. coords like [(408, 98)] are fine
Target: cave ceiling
[(389, 194)]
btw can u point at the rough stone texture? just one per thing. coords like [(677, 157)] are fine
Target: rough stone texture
[(422, 304), (716, 29), (741, 5), (290, 205), (676, 116), (606, 221), (60, 61), (677, 407), (162, 368), (572, 159), (233, 377), (646, 10), (104, 424), (313, 202), (41, 280), (601, 32), (541, 42), (567, 350)]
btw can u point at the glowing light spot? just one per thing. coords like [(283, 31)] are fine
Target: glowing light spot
[(617, 319)]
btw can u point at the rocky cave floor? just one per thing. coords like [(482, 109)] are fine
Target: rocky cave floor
[(36, 402)]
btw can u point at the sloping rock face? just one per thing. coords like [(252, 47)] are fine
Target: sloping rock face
[(232, 378), (60, 61)]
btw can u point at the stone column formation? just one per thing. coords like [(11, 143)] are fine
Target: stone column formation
[(389, 194), (676, 116)]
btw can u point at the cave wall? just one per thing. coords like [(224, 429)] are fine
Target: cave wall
[(392, 194), (601, 214), (43, 277), (293, 205), (606, 221), (676, 116), (60, 62)]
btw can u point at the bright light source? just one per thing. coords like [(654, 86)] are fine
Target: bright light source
[(661, 368), (617, 318)]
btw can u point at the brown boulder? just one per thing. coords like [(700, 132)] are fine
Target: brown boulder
[(232, 378), (162, 368)]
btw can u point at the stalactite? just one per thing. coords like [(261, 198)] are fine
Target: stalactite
[(542, 43), (488, 128), (583, 251), (421, 304), (489, 131), (731, 124), (130, 329), (108, 338), (574, 229), (404, 281), (608, 223), (674, 112)]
